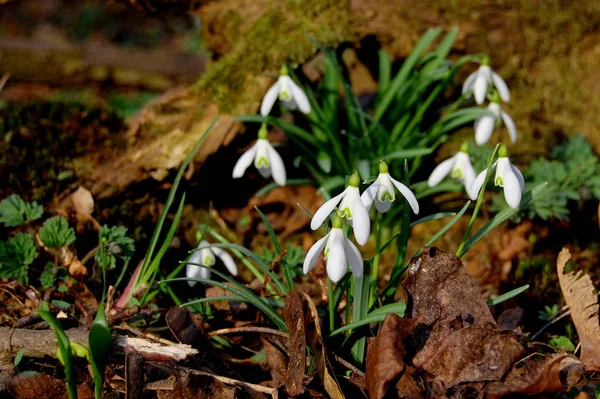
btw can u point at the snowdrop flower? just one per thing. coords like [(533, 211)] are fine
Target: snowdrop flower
[(459, 167), (288, 92), (479, 81), (205, 255), (382, 192), (507, 176), (265, 158), (351, 208), (484, 125), (339, 253)]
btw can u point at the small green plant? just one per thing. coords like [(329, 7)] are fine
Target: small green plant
[(113, 243), (548, 313), (16, 212), (16, 254), (561, 342), (56, 233)]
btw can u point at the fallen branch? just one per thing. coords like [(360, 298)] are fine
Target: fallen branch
[(40, 343)]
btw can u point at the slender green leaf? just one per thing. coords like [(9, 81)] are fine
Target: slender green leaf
[(64, 347), (385, 70), (360, 308), (289, 128), (503, 215), (100, 340), (270, 230), (505, 297), (373, 317), (406, 153)]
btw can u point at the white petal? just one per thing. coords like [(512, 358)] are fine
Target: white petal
[(468, 175), (245, 160), (354, 257), (324, 211), (300, 98), (468, 85), (368, 196), (277, 166), (510, 125), (227, 260), (512, 187), (269, 98), (519, 176), (473, 191), (265, 172), (480, 88), (385, 191), (361, 224), (313, 254), (441, 171), (336, 259), (501, 86), (410, 197), (483, 129), (193, 271), (383, 207)]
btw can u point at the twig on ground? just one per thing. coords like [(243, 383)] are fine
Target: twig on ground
[(234, 330)]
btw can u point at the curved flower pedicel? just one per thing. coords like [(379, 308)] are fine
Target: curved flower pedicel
[(382, 192), (484, 125), (351, 208), (480, 80), (288, 92), (507, 176), (459, 167), (339, 253), (205, 255), (266, 160)]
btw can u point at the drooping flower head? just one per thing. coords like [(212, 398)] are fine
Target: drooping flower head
[(350, 207), (339, 253), (266, 160), (480, 80), (459, 167), (205, 255), (288, 92), (484, 125), (382, 192), (508, 176)]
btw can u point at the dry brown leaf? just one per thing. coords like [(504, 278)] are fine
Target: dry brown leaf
[(185, 328), (533, 375), (294, 319), (509, 319), (276, 354), (385, 354), (582, 300)]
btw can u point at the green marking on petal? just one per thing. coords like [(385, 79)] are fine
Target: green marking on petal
[(285, 96), (498, 181), (457, 174), (208, 261), (345, 213), (387, 196), (326, 253), (262, 162)]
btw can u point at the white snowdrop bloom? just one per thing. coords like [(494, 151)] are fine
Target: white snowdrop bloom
[(266, 160), (382, 192), (350, 207), (480, 80), (507, 176), (339, 253), (288, 92), (484, 125), (459, 167), (205, 255)]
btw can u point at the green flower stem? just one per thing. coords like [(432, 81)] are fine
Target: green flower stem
[(375, 268), (479, 202), (331, 305)]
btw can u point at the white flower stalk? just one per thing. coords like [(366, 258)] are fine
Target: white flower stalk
[(339, 253), (382, 192), (484, 125), (480, 80), (459, 167), (288, 92), (205, 255), (350, 207), (266, 160), (507, 176)]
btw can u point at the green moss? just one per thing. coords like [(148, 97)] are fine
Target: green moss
[(277, 37)]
